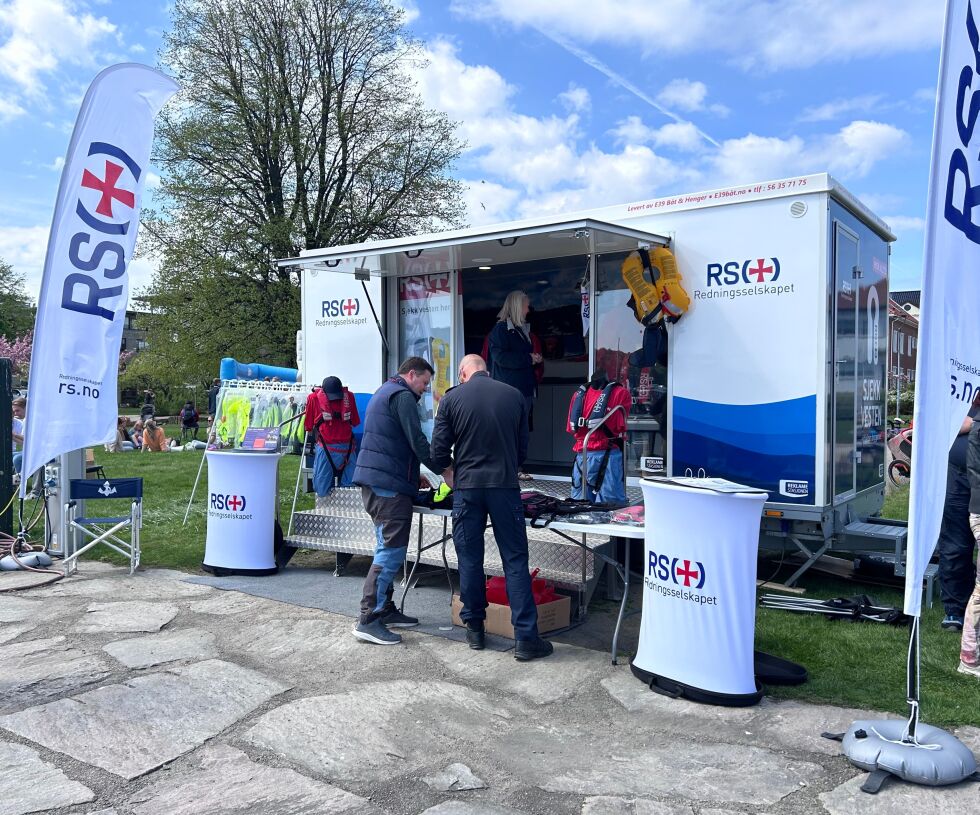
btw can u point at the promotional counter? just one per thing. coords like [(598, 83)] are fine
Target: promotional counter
[(242, 491), (698, 625)]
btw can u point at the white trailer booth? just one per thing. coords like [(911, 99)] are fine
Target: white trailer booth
[(774, 378)]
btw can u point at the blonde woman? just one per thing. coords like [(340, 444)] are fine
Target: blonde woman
[(154, 440), (514, 353)]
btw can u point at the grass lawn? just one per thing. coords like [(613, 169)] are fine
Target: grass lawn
[(850, 664)]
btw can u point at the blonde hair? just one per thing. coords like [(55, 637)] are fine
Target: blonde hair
[(150, 425), (513, 308)]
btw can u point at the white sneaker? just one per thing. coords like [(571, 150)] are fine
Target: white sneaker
[(973, 670)]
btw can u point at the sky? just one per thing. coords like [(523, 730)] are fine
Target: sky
[(564, 104)]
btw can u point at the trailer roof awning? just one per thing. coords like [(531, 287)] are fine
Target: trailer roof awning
[(480, 246)]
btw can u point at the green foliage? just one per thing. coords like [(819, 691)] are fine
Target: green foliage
[(16, 311), (298, 127)]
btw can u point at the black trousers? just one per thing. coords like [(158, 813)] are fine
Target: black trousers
[(957, 573)]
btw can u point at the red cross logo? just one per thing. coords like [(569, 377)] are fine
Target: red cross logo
[(108, 189), (688, 574), (235, 503), (760, 271), (349, 307)]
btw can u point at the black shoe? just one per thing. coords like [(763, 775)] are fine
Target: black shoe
[(393, 618), (526, 650), (476, 638)]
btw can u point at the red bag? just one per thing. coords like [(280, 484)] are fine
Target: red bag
[(543, 591)]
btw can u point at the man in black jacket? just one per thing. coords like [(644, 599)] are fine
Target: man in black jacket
[(486, 422)]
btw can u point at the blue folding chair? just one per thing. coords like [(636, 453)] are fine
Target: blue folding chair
[(96, 530)]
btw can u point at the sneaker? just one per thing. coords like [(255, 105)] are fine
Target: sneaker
[(526, 650), (376, 632), (973, 670), (393, 618), (952, 623), (476, 638)]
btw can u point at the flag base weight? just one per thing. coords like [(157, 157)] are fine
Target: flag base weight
[(936, 758)]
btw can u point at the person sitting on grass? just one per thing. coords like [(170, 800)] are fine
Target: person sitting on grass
[(154, 439), (123, 440), (137, 434)]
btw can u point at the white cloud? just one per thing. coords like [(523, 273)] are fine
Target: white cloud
[(24, 247), (856, 148), (576, 99), (925, 95), (769, 34), (463, 91), (57, 164), (533, 165), (136, 48), (39, 35), (840, 107), (678, 136), (152, 180), (9, 110), (850, 153), (409, 8), (905, 223), (882, 202), (684, 94), (689, 96)]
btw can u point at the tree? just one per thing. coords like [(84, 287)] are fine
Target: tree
[(18, 351), (16, 311), (298, 127)]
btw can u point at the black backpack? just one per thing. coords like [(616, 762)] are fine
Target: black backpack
[(543, 509)]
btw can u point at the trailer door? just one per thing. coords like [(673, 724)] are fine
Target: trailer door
[(846, 253)]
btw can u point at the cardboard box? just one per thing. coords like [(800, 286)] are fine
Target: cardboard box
[(551, 616)]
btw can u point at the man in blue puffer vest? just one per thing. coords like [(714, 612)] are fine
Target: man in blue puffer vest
[(387, 472)]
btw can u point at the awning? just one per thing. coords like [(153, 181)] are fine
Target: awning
[(479, 247)]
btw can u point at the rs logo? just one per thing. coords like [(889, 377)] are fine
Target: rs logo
[(226, 501), (735, 272), (350, 307), (683, 572)]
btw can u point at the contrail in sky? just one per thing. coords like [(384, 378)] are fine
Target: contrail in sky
[(602, 68)]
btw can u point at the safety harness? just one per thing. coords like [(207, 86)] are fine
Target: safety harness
[(328, 417), (579, 425)]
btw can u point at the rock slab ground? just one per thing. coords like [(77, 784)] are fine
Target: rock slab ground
[(140, 695)]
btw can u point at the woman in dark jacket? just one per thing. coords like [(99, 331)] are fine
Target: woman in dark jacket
[(511, 348), (970, 641)]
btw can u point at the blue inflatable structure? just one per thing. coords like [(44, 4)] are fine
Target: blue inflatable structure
[(232, 369)]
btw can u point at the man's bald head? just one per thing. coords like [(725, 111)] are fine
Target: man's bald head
[(469, 365)]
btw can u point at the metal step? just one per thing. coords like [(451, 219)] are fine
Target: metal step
[(868, 534)]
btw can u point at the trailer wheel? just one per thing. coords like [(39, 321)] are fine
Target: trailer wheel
[(899, 473)]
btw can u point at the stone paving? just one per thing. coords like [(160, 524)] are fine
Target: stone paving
[(147, 695)]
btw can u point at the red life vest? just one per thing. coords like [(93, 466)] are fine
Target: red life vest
[(579, 424), (334, 427)]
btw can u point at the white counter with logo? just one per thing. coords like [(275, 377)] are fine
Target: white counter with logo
[(698, 627), (241, 507)]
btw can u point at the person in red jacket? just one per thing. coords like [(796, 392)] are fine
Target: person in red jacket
[(331, 415), (605, 463)]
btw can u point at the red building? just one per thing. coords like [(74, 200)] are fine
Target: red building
[(903, 336)]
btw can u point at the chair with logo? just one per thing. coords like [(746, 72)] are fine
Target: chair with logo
[(97, 528)]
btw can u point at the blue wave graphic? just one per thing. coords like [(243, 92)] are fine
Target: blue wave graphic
[(758, 445)]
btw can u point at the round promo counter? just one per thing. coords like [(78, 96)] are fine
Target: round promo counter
[(241, 505), (698, 625)]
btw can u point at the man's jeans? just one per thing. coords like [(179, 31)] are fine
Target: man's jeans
[(957, 574), (470, 510), (392, 516)]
